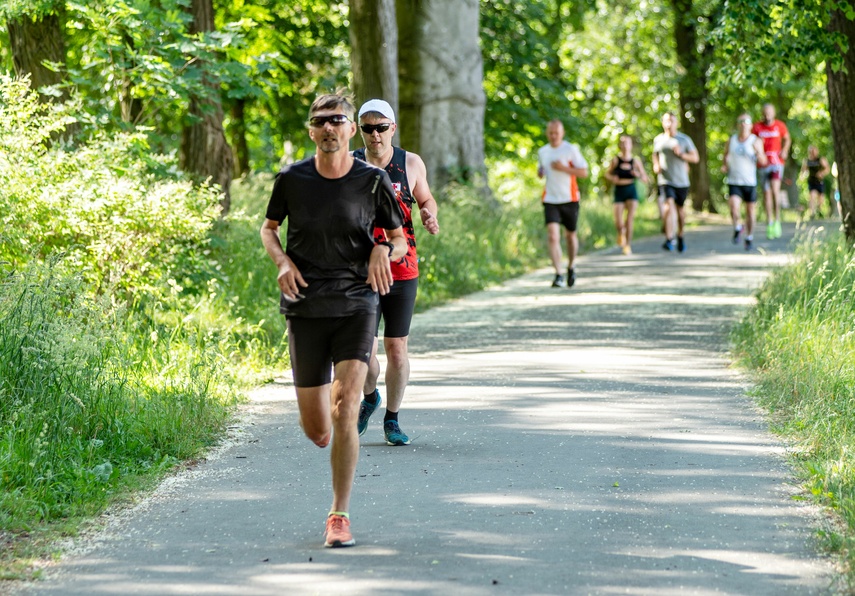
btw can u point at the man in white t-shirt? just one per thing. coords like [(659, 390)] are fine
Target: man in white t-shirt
[(743, 154), (561, 163)]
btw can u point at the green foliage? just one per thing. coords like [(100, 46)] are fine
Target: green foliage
[(308, 45), (119, 226), (523, 77), (799, 342), (12, 9), (756, 33), (118, 351), (84, 405)]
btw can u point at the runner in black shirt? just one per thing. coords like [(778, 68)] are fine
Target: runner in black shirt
[(329, 277)]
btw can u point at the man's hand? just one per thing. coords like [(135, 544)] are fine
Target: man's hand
[(290, 280), (678, 151), (380, 270), (784, 156), (429, 221)]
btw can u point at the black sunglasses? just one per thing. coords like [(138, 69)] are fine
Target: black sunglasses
[(372, 128), (335, 120)]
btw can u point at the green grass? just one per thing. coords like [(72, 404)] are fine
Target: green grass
[(93, 402), (799, 342)]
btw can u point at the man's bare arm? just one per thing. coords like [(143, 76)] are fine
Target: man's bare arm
[(417, 176), (289, 278)]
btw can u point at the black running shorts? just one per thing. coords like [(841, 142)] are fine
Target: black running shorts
[(817, 186), (567, 214), (625, 193), (746, 193), (316, 344), (678, 193), (396, 308)]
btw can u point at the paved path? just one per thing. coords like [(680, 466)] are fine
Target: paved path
[(584, 441)]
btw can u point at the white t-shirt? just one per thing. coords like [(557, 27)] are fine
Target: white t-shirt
[(742, 161), (560, 187)]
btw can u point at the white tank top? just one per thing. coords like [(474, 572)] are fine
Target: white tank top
[(742, 161)]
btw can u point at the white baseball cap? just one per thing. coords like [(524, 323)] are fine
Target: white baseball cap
[(379, 106)]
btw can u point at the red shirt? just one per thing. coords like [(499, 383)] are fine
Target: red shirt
[(773, 137)]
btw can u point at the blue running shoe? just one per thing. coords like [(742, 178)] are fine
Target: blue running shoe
[(365, 411), (393, 433)]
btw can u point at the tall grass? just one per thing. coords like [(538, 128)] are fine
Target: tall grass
[(799, 340)]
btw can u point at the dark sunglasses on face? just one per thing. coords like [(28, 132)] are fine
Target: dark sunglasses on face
[(335, 120), (371, 128)]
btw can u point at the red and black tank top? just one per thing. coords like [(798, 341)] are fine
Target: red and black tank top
[(408, 266)]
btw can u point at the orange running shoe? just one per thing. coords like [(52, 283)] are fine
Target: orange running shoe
[(338, 533)]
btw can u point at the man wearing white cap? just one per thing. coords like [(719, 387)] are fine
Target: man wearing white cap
[(409, 179)]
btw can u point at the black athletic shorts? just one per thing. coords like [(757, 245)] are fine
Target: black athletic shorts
[(567, 214), (625, 193), (746, 193), (817, 186), (315, 344), (678, 193), (396, 308)]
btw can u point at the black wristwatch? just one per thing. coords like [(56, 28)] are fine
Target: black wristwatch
[(390, 245)]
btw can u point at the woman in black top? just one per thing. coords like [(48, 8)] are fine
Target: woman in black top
[(817, 169), (624, 169)]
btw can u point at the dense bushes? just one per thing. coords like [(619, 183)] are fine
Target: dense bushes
[(121, 220), (113, 347)]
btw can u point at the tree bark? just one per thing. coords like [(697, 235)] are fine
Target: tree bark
[(693, 98), (841, 90), (238, 130), (36, 40), (442, 101), (130, 106), (205, 153), (374, 51)]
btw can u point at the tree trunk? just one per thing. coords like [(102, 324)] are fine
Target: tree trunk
[(238, 130), (205, 153), (374, 51), (693, 98), (130, 106), (442, 101), (34, 41), (841, 90)]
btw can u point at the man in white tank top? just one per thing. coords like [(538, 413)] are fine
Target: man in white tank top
[(742, 154)]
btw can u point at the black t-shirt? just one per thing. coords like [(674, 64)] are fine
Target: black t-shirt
[(330, 225)]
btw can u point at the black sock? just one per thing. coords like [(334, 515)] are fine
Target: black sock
[(372, 397), (390, 416)]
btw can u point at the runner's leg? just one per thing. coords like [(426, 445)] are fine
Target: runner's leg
[(572, 247), (619, 227), (344, 408), (553, 237), (397, 371), (631, 206)]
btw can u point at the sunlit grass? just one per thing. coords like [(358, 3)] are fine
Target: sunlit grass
[(94, 399), (799, 340)]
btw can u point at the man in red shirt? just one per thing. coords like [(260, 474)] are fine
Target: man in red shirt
[(776, 144)]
